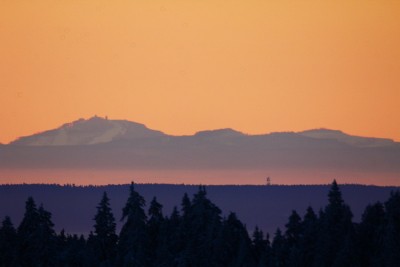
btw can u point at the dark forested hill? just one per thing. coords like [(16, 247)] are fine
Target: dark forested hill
[(269, 207)]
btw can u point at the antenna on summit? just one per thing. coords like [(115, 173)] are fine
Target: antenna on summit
[(268, 181)]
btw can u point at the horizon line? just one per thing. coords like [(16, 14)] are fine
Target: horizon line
[(185, 184)]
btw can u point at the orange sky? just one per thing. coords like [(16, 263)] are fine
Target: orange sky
[(181, 66)]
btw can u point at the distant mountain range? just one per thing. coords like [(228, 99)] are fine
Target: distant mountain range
[(97, 130), (100, 143)]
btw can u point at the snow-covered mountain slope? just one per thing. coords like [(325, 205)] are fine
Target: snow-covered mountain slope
[(95, 130)]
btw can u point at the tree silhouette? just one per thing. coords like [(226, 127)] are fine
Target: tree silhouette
[(370, 236), (233, 246), (36, 237), (171, 240), (202, 224), (133, 239), (293, 235), (8, 243), (309, 238), (336, 234), (104, 240), (155, 231), (279, 250), (392, 230), (261, 248)]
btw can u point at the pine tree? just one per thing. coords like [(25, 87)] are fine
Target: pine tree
[(233, 246), (76, 253), (8, 243), (293, 236), (36, 237), (186, 205), (293, 229), (308, 241), (28, 240), (104, 240), (154, 232), (171, 241), (201, 225), (133, 239), (279, 250), (184, 230), (61, 248), (48, 238), (370, 236), (392, 230), (30, 219), (336, 237), (261, 248)]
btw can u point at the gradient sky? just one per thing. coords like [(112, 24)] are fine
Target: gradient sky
[(181, 66)]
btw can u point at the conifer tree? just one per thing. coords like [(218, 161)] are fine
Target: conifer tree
[(279, 250), (308, 241), (293, 236), (186, 205), (133, 239), (36, 237), (261, 248), (104, 240), (171, 241), (155, 232), (61, 247), (293, 229), (28, 240), (201, 223), (233, 246), (31, 218), (76, 252), (370, 236), (47, 237), (8, 243), (186, 209), (336, 236), (392, 230)]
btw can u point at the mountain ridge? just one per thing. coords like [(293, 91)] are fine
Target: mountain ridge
[(108, 150), (324, 133), (97, 130)]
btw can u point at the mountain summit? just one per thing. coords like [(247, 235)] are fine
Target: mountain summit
[(95, 130)]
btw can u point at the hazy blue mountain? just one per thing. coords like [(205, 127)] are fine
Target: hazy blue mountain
[(99, 143), (97, 130), (219, 134), (348, 139)]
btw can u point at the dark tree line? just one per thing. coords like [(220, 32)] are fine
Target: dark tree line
[(197, 235)]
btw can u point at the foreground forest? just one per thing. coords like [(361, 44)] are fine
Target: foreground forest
[(73, 207), (196, 234)]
